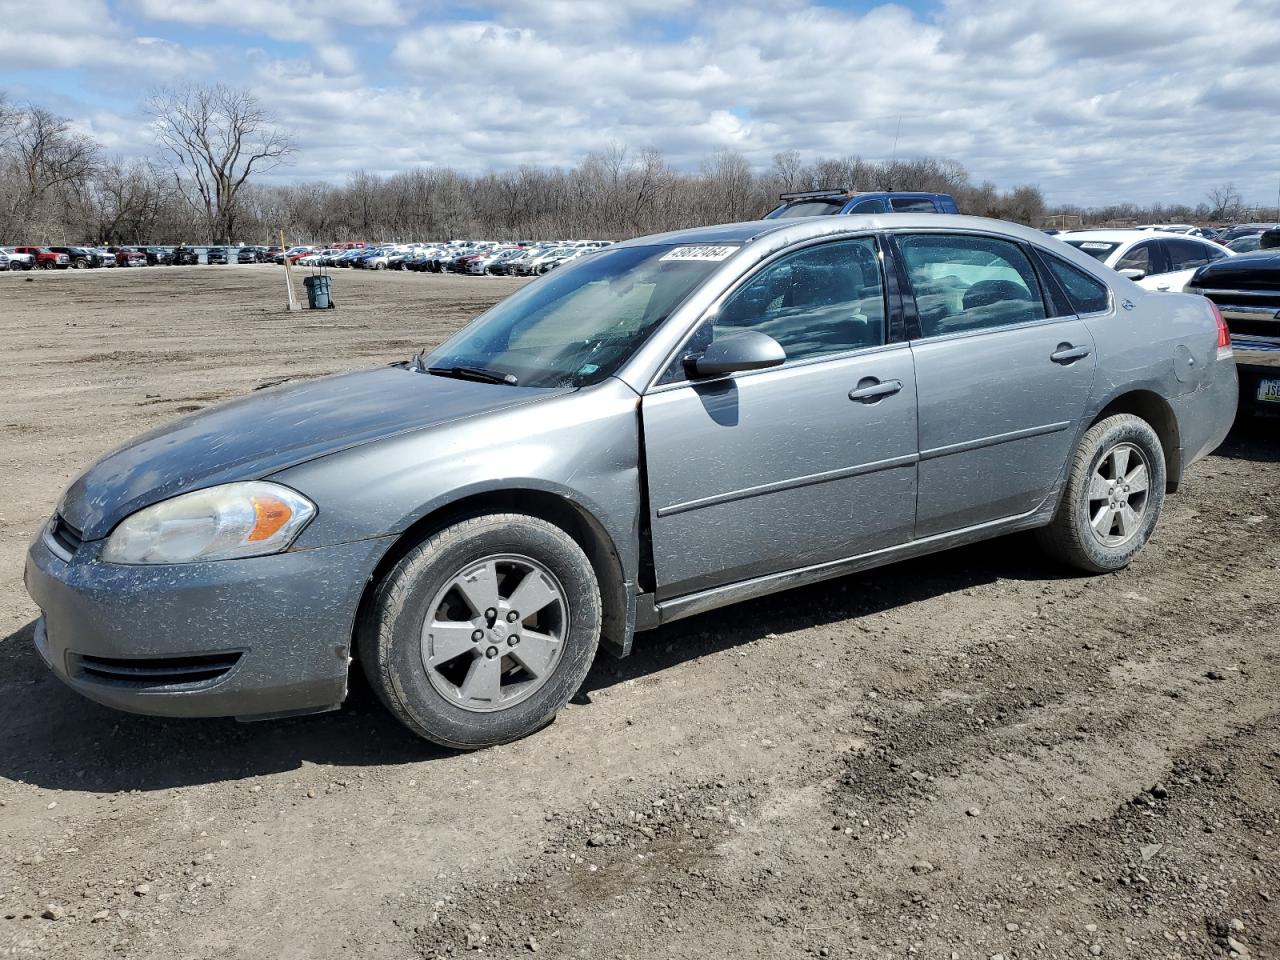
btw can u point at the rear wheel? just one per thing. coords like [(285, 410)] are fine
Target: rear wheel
[(480, 634), (1113, 498)]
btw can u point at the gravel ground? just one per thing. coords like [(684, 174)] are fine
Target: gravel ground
[(973, 755)]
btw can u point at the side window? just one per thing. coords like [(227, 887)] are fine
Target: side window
[(913, 205), (1087, 294), (868, 206), (820, 300), (969, 282), (1186, 254), (1216, 252), (1142, 257)]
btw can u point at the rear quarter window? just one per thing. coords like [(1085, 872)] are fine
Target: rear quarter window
[(1087, 294), (913, 205)]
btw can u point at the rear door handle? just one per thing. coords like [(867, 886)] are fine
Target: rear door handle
[(1066, 353), (869, 389)]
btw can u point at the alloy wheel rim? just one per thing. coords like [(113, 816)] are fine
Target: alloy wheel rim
[(1119, 489), (495, 633)]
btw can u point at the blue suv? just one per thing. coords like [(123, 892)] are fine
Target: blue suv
[(825, 203)]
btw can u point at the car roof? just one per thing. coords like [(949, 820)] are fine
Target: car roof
[(794, 231), (1125, 236), (1111, 236)]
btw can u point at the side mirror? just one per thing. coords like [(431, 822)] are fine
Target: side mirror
[(1133, 273), (741, 350)]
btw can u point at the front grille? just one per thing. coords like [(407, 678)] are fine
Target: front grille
[(148, 673), (65, 535)]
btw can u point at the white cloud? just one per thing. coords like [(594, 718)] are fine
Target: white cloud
[(82, 33), (1094, 101)]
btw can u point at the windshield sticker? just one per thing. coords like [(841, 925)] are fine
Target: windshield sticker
[(1094, 245), (708, 253)]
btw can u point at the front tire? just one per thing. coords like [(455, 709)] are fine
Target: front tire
[(1114, 493), (480, 634)]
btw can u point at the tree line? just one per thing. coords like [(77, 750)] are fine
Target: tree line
[(202, 184)]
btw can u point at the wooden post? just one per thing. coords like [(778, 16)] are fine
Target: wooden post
[(288, 277)]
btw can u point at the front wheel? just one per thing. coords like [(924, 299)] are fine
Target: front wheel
[(481, 633), (1113, 497)]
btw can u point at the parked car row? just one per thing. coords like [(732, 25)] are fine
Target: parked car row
[(473, 257), (88, 257)]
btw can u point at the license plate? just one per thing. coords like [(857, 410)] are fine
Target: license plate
[(1269, 391)]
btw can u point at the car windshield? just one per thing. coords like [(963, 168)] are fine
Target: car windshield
[(576, 326), (1098, 249)]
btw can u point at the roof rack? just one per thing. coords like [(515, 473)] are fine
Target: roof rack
[(817, 194)]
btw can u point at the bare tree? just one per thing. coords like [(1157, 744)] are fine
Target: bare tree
[(124, 202), (47, 162), (1224, 202), (787, 169), (214, 139), (9, 116)]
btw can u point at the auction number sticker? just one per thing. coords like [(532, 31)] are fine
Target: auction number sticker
[(707, 253)]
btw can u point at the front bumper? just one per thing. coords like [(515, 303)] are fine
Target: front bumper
[(266, 635)]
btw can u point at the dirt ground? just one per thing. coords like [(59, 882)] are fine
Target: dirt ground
[(974, 755)]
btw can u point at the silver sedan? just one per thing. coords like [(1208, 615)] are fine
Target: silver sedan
[(667, 426)]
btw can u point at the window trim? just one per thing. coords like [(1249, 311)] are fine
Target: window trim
[(890, 295), (917, 335), (1053, 288)]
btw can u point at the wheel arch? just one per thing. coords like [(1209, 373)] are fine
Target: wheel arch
[(1157, 411), (616, 596)]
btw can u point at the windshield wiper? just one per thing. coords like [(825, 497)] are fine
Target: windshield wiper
[(475, 373)]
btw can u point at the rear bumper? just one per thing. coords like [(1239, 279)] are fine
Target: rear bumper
[(1205, 416), (230, 638)]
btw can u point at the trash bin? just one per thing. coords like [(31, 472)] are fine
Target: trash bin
[(318, 292)]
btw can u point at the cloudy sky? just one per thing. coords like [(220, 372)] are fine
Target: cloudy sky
[(1093, 100)]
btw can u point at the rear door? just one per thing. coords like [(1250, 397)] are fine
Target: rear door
[(796, 465), (1184, 256), (1002, 381)]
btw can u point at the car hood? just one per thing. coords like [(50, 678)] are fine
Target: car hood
[(271, 430), (1245, 271)]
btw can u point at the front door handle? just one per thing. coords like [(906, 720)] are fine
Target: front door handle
[(1066, 353), (870, 390)]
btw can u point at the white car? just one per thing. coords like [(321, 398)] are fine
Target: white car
[(1155, 259), (18, 261)]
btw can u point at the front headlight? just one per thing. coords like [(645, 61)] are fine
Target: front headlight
[(221, 523)]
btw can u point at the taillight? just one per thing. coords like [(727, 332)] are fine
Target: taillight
[(1224, 334)]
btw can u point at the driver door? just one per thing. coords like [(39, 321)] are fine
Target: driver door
[(798, 465)]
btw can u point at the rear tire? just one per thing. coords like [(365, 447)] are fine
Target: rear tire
[(1112, 501), (418, 640)]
